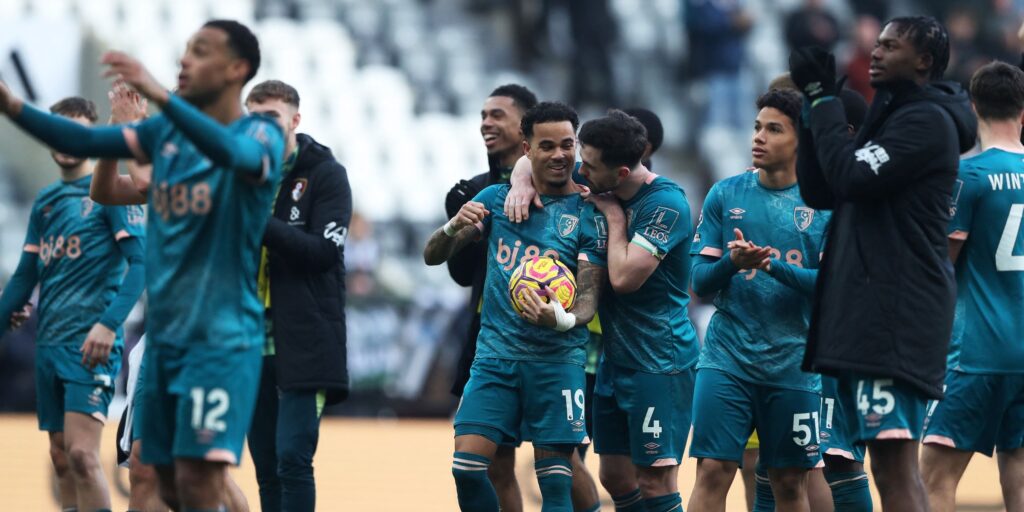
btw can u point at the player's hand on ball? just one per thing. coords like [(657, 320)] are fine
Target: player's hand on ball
[(97, 346), (18, 318), (470, 214), (745, 254), (126, 105), (538, 312), (132, 72)]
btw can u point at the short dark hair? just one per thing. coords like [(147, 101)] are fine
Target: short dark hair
[(76, 106), (273, 90), (997, 90), (621, 138), (242, 41), (787, 101), (929, 36), (651, 121), (548, 112), (522, 97)]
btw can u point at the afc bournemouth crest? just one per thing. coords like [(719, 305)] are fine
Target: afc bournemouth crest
[(299, 188), (87, 205), (803, 216), (567, 224)]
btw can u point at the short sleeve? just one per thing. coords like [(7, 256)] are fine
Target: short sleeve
[(126, 221), (593, 237), (662, 224), (142, 137), (32, 233), (488, 197), (708, 240), (966, 192)]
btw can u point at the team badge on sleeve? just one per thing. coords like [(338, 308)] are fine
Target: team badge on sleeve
[(803, 216)]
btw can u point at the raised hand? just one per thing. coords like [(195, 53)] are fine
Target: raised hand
[(813, 70), (470, 214), (745, 254), (126, 105), (123, 67), (9, 103)]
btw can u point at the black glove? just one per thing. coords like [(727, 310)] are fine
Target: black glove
[(813, 70), (459, 195)]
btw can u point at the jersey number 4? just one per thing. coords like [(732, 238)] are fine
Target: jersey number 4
[(1005, 260)]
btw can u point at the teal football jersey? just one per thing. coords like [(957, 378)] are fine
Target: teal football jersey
[(759, 330), (205, 227), (988, 205), (80, 266), (567, 229), (650, 330)]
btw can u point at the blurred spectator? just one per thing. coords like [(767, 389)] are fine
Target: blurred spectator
[(997, 37), (362, 255), (717, 31), (965, 54), (812, 25), (594, 31), (879, 9), (865, 34)]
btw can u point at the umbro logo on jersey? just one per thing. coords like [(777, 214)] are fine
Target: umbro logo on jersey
[(736, 213), (169, 150), (652, 445)]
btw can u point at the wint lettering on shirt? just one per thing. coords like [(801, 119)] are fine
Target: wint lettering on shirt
[(507, 255), (1006, 181)]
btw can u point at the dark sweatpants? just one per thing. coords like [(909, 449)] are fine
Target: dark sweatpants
[(282, 440)]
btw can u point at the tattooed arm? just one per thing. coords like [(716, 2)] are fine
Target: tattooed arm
[(464, 227), (590, 280)]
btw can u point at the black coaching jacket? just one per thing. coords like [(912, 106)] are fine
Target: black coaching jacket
[(885, 292), (306, 242)]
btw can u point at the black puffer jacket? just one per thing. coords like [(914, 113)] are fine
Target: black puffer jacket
[(306, 239), (885, 292)]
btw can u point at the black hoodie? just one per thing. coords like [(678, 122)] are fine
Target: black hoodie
[(306, 242), (885, 292)]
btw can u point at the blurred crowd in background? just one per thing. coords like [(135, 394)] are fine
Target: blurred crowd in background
[(395, 88)]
